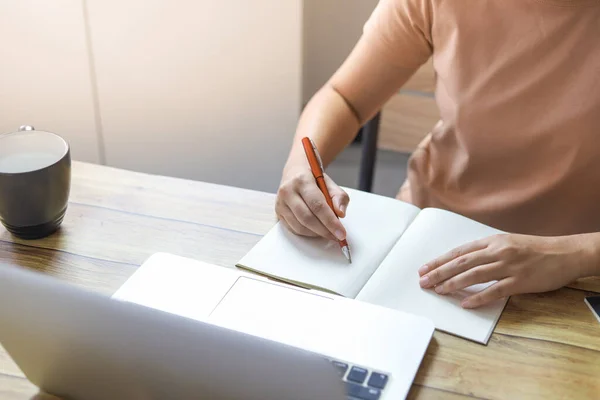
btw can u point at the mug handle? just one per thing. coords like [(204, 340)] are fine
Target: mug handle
[(22, 128)]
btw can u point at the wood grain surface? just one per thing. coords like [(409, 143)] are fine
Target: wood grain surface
[(405, 121), (423, 80), (545, 345), (411, 114)]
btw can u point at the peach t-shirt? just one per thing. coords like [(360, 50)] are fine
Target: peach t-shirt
[(518, 89)]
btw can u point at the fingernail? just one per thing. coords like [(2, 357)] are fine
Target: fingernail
[(466, 304), (339, 235), (423, 269), (424, 281), (439, 289), (343, 208)]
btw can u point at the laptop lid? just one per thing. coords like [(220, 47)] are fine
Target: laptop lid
[(78, 344)]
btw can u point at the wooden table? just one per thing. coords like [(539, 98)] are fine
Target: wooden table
[(545, 345)]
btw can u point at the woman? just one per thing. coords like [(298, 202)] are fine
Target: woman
[(517, 147)]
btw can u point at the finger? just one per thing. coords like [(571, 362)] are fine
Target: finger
[(287, 226), (481, 274), (325, 218), (496, 291), (307, 218), (290, 221), (297, 231), (339, 197), (451, 255), (296, 226), (456, 267), (284, 214), (279, 211)]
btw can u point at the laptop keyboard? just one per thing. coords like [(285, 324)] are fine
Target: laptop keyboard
[(361, 383)]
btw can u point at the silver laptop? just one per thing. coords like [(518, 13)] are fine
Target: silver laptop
[(183, 329)]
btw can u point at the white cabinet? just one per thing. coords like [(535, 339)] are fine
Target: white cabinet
[(200, 89), (44, 72), (206, 90)]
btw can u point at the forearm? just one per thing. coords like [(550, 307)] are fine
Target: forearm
[(360, 88), (330, 122)]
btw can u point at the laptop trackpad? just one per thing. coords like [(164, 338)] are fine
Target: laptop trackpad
[(278, 313)]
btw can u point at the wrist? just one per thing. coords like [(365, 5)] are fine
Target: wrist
[(589, 248), (293, 167)]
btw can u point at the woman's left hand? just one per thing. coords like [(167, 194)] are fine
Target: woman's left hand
[(519, 264)]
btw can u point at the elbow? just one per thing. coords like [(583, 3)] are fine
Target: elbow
[(351, 107)]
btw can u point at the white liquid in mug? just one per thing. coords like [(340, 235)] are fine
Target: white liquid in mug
[(30, 151), (24, 162)]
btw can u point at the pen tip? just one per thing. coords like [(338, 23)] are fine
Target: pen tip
[(346, 252)]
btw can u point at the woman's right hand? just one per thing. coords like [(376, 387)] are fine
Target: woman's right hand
[(302, 208)]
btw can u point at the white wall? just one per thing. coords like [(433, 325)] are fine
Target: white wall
[(206, 90), (44, 72), (331, 29), (202, 89)]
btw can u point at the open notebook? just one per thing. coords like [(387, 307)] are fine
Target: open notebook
[(389, 240)]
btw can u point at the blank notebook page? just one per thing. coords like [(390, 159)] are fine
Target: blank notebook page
[(373, 224), (396, 283)]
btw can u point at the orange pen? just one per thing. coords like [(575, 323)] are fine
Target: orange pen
[(316, 166)]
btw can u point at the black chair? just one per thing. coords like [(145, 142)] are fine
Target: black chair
[(369, 135)]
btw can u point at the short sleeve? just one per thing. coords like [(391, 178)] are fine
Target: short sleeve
[(401, 31)]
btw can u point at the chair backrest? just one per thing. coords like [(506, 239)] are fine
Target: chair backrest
[(370, 135)]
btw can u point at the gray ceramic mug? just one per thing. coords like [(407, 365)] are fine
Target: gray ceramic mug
[(35, 182)]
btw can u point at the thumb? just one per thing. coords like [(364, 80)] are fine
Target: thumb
[(339, 197)]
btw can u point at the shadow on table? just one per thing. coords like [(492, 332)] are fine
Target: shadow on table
[(38, 255), (43, 396), (419, 388)]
